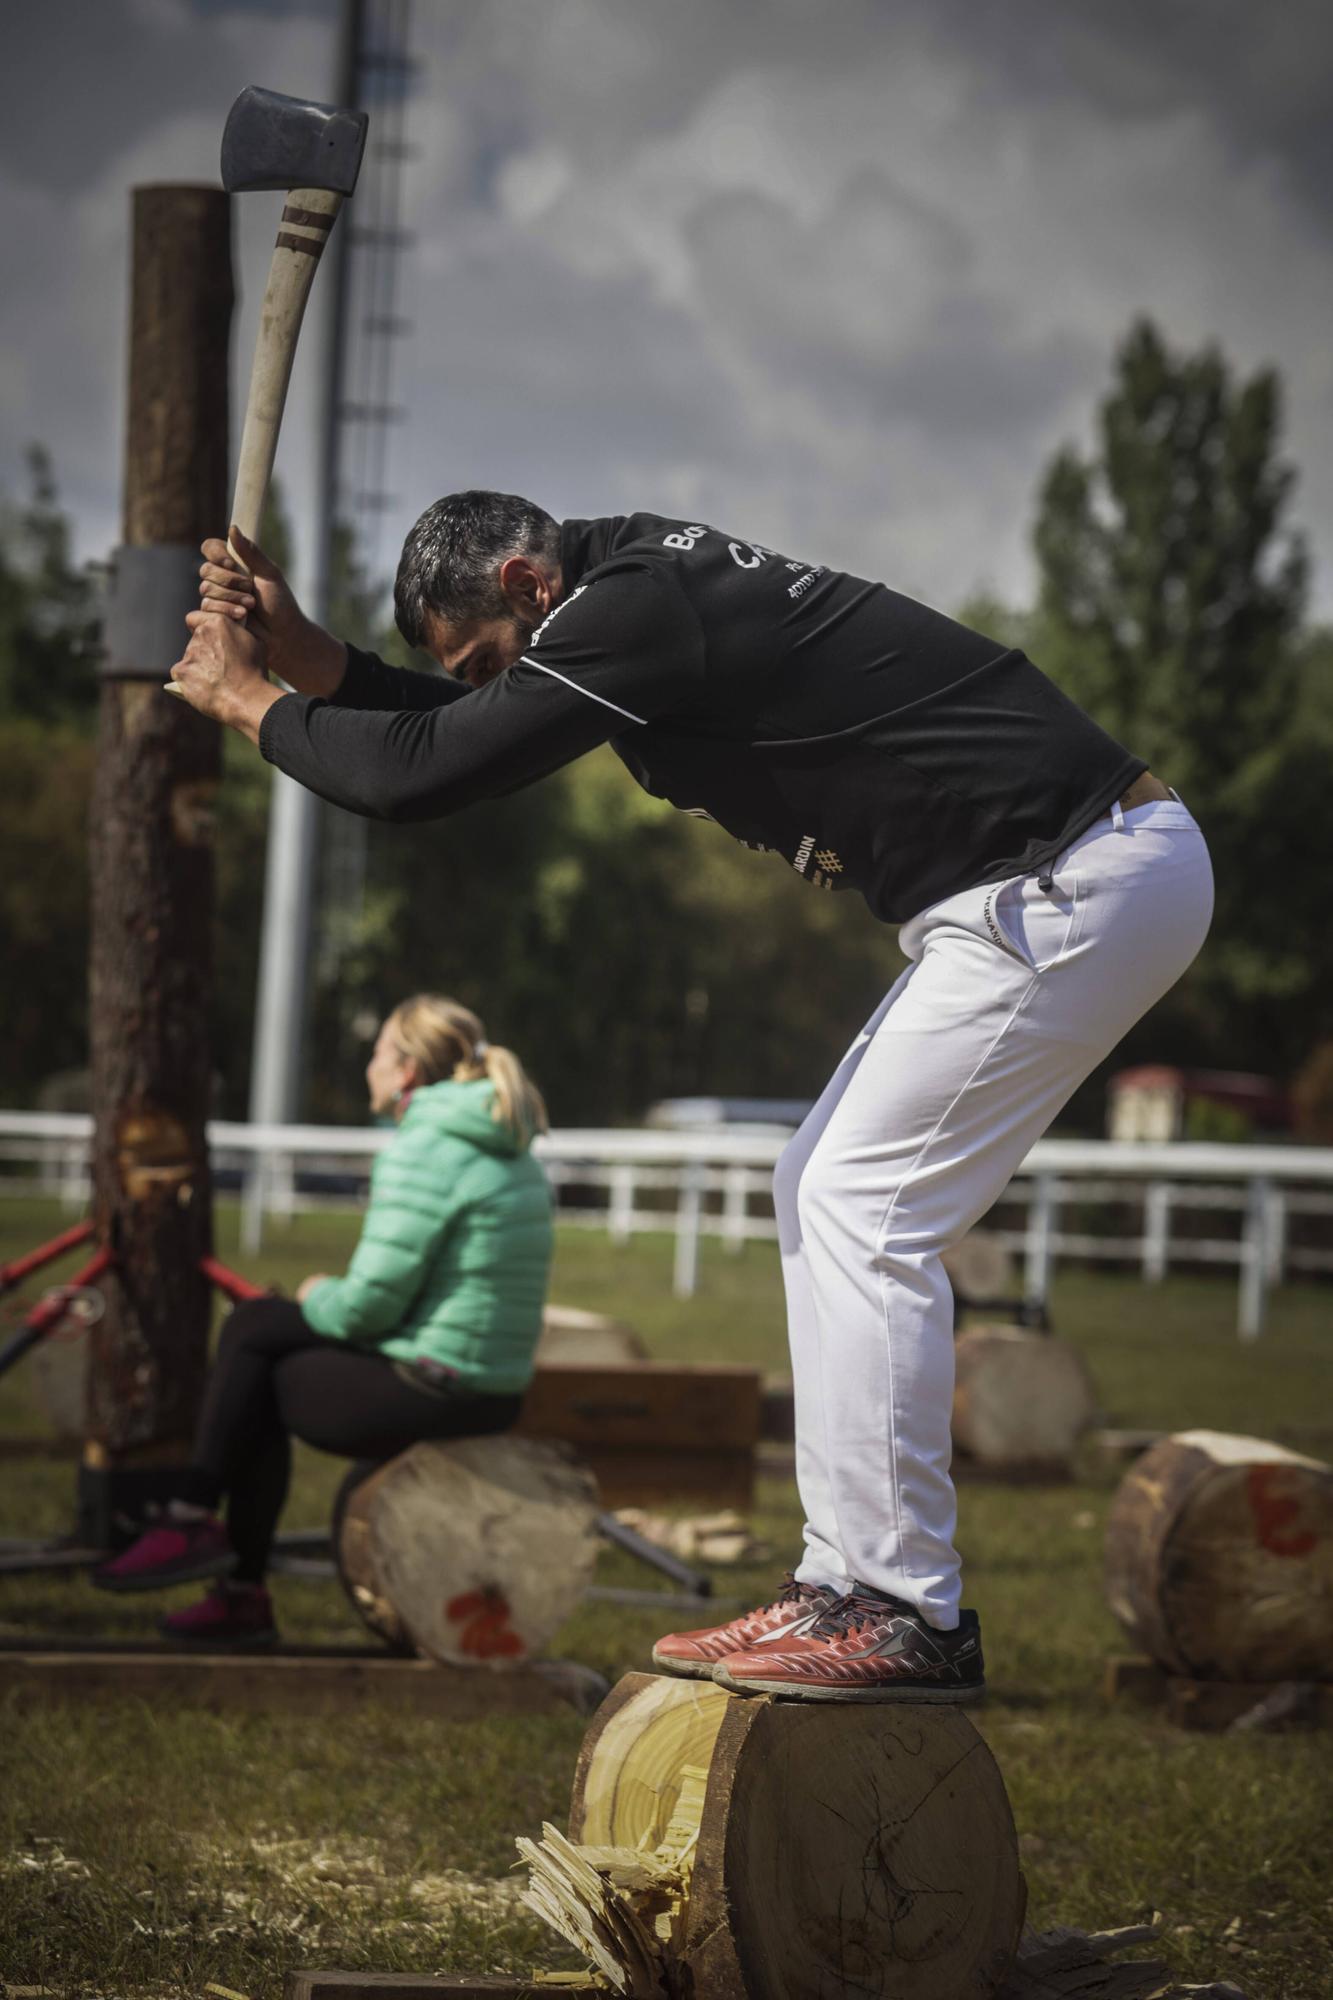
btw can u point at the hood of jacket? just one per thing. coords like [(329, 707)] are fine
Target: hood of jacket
[(465, 1111)]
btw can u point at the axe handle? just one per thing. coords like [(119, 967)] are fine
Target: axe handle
[(307, 218)]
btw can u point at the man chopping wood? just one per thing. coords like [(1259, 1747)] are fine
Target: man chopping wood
[(1048, 887)]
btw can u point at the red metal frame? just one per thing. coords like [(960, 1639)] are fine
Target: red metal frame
[(45, 1253), (39, 1319)]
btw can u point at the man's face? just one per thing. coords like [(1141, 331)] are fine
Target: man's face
[(476, 650)]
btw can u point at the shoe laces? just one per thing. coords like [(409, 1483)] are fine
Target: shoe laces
[(791, 1590), (854, 1610)]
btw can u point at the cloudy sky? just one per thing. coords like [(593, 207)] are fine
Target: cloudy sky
[(836, 276)]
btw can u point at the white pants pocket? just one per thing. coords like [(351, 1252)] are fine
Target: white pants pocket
[(1033, 924)]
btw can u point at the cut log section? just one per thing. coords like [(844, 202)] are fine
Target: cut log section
[(749, 1849), (474, 1552), (587, 1339), (1020, 1399), (1219, 1559), (980, 1267)]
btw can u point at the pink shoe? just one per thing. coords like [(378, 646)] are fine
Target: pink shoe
[(171, 1552), (696, 1654), (234, 1617)]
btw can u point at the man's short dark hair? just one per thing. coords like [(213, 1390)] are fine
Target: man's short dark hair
[(451, 558)]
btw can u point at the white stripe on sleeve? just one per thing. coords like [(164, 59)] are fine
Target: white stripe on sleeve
[(528, 661)]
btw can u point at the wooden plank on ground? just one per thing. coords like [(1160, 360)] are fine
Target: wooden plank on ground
[(657, 1403), (317, 1984), (1197, 1704), (297, 1682), (654, 1431)]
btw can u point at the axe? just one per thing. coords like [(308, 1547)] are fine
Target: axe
[(313, 152)]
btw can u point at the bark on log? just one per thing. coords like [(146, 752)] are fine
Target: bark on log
[(748, 1849), (473, 1552), (158, 766), (1219, 1558), (1019, 1398)]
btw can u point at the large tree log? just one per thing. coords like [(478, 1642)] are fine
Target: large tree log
[(158, 765), (474, 1552), (1019, 1398), (1219, 1558), (747, 1849)]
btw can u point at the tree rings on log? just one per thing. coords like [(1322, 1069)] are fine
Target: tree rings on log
[(749, 1849), (474, 1552), (1019, 1398), (1219, 1558), (980, 1266)]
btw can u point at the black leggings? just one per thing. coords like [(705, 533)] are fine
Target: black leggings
[(273, 1380)]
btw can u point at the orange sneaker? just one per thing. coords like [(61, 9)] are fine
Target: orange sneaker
[(867, 1646), (695, 1654)]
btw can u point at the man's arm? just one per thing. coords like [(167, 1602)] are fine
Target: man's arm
[(617, 654), (298, 650)]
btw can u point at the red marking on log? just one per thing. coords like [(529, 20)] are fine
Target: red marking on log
[(487, 1633), (1274, 1511)]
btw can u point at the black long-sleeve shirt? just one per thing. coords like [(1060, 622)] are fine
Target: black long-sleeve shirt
[(871, 742)]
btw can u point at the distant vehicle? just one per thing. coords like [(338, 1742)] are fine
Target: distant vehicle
[(729, 1114), (1157, 1102)]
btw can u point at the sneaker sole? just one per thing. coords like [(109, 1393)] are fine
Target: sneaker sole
[(793, 1691), (200, 1572), (689, 1670)]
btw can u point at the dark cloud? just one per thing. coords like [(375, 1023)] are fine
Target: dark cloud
[(842, 278)]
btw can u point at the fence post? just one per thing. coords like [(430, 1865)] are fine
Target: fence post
[(1156, 1231), (1254, 1260), (620, 1209), (1276, 1230), (735, 1208), (689, 1210), (1038, 1254)]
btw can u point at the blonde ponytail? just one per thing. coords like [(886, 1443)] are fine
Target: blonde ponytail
[(446, 1039)]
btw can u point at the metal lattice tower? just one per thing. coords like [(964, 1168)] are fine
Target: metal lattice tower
[(381, 71)]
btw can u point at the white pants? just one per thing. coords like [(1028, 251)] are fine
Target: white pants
[(1015, 992)]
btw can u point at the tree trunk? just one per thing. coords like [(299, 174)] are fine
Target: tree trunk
[(474, 1552), (749, 1849), (1020, 1399), (1219, 1559), (158, 765)]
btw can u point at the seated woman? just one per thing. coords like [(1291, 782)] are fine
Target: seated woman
[(431, 1334)]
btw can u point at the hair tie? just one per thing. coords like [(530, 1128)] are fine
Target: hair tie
[(479, 1049)]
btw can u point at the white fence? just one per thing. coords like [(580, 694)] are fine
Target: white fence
[(699, 1184)]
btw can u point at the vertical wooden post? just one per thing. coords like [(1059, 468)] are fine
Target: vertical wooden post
[(158, 766)]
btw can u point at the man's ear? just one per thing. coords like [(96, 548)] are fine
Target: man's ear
[(525, 586)]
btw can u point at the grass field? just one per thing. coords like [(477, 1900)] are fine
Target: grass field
[(146, 1849)]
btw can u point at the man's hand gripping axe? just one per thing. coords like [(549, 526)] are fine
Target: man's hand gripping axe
[(313, 152)]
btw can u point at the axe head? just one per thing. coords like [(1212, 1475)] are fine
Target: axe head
[(285, 142)]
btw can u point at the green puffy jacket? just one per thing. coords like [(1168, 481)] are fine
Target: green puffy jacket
[(455, 1249)]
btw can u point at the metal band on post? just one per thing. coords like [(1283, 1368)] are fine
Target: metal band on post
[(144, 632)]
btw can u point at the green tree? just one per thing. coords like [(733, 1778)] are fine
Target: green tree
[(1170, 605), (1171, 594), (47, 609)]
